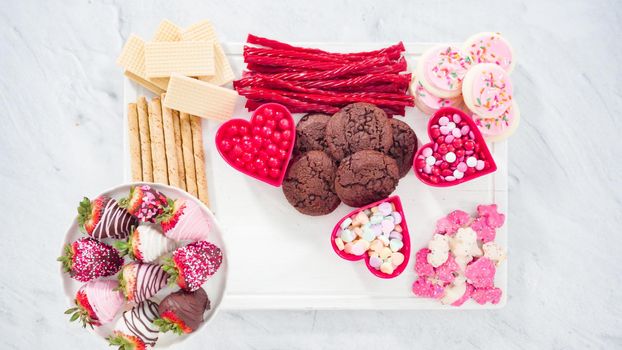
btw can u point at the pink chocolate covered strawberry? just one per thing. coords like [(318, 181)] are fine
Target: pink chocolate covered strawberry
[(139, 282), (183, 220), (97, 303), (145, 244), (87, 259), (193, 264), (135, 329), (144, 202), (104, 218)]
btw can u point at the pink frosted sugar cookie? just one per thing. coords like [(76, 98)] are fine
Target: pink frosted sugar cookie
[(481, 273), (441, 71), (428, 103), (487, 90), (501, 127), (452, 222), (489, 47)]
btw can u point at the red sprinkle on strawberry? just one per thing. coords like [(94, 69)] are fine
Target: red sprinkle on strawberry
[(144, 202), (169, 321), (193, 264), (86, 259), (126, 341), (83, 311), (90, 212)]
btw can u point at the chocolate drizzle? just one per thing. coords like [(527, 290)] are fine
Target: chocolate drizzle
[(150, 278), (139, 321), (115, 221), (188, 306)]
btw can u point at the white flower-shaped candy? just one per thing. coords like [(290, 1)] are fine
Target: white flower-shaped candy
[(439, 250), (493, 252)]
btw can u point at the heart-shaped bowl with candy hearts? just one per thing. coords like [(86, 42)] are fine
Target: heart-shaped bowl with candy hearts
[(456, 153), (396, 207), (261, 147)]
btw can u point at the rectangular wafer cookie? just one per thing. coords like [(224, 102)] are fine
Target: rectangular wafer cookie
[(167, 31), (200, 98), (132, 59), (189, 58), (205, 31)]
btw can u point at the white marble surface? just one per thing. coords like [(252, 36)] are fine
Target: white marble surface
[(60, 138)]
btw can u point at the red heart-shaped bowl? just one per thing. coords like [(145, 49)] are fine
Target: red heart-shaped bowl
[(260, 148), (457, 152), (395, 200)]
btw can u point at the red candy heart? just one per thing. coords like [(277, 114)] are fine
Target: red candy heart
[(405, 250), (457, 154), (262, 147)]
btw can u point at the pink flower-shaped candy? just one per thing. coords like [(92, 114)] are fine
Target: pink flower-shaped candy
[(422, 267), (424, 288), (481, 273), (493, 217), (485, 295)]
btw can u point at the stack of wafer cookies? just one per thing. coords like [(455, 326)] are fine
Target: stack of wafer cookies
[(189, 65), (166, 146)]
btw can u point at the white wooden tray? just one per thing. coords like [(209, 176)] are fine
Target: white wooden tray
[(280, 259)]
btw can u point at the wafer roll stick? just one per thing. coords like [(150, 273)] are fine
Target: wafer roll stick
[(169, 145), (134, 138), (158, 151), (145, 139), (199, 158), (186, 147), (178, 151)]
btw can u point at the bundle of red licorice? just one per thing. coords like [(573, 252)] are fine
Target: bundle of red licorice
[(311, 80)]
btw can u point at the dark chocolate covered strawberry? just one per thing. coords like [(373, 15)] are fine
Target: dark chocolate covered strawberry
[(87, 259), (182, 312), (104, 218)]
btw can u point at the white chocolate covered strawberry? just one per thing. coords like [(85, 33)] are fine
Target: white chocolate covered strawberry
[(146, 244)]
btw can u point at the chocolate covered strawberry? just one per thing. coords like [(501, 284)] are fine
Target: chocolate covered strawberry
[(104, 218), (139, 282), (144, 202), (182, 312), (145, 244), (87, 259), (135, 329), (97, 303), (183, 220), (193, 264)]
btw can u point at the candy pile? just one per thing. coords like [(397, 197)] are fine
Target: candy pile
[(262, 147), (474, 78), (461, 259), (454, 153), (377, 232), (312, 80)]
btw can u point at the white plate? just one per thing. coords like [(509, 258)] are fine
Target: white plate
[(284, 260), (214, 287)]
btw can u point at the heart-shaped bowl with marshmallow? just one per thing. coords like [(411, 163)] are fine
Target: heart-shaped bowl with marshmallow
[(457, 151), (405, 249), (260, 148)]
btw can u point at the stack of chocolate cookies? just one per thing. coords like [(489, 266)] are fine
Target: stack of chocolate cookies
[(356, 156)]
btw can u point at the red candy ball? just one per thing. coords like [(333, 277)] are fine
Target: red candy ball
[(243, 130), (226, 145), (271, 149), (271, 123), (281, 154), (232, 131), (273, 162), (259, 119), (247, 157), (256, 130), (268, 113), (274, 173), (284, 145), (236, 152), (287, 134), (284, 124), (250, 167), (276, 137), (266, 132)]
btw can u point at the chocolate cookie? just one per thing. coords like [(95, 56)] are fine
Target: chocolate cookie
[(356, 127), (366, 177), (311, 132), (404, 145), (309, 184)]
